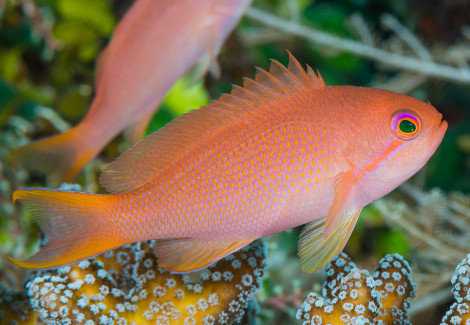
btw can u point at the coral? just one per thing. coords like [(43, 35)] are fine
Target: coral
[(15, 308), (41, 27), (354, 300), (403, 50), (459, 312), (352, 295), (437, 225), (126, 286), (14, 240), (396, 288)]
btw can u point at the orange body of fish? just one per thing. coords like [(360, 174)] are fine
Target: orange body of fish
[(281, 151), (154, 45)]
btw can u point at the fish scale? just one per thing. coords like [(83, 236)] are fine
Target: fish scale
[(276, 186), (281, 151)]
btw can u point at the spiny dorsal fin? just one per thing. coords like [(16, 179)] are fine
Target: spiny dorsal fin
[(165, 147), (278, 81)]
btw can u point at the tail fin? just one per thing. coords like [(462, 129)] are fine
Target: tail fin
[(60, 157), (74, 224)]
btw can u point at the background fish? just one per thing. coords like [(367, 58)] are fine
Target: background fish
[(282, 151), (155, 44)]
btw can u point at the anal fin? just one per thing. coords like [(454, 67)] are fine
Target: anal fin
[(316, 250), (189, 254)]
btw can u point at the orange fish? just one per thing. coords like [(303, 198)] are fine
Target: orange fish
[(281, 151), (155, 44)]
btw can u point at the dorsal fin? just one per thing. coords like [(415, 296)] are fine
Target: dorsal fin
[(163, 149)]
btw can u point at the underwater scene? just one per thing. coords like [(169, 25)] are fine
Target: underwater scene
[(234, 162)]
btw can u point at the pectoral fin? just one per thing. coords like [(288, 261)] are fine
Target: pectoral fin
[(136, 131), (316, 250), (189, 254), (207, 62), (340, 211)]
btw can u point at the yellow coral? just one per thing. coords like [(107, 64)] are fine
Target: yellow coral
[(354, 302), (459, 312), (126, 285), (353, 296), (15, 308), (394, 284)]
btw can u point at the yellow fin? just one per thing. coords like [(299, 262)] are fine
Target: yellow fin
[(189, 254), (315, 250), (165, 148)]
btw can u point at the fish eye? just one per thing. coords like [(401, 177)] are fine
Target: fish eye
[(405, 125)]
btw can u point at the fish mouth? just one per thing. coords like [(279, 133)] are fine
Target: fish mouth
[(441, 130), (443, 126)]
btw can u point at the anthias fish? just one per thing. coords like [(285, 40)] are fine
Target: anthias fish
[(281, 151), (154, 45)]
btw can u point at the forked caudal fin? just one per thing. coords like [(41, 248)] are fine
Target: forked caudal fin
[(60, 157), (74, 224)]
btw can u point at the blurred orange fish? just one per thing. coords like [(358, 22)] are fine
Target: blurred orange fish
[(282, 151), (154, 45)]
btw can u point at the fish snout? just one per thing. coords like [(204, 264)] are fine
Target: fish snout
[(440, 131), (443, 126)]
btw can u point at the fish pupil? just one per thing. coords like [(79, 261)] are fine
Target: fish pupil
[(406, 126)]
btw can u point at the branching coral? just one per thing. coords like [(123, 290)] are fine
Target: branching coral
[(126, 286), (30, 8), (403, 52), (352, 295), (437, 225)]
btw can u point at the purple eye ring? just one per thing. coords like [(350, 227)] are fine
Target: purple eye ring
[(405, 125)]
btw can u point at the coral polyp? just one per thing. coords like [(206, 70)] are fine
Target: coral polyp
[(459, 312), (15, 308), (396, 288), (353, 301), (127, 286), (352, 295)]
